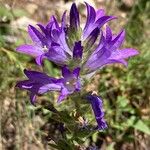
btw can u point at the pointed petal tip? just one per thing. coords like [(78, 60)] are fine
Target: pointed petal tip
[(59, 101), (30, 27), (129, 52), (29, 50), (73, 7), (123, 31), (135, 51), (26, 72), (32, 98), (17, 85), (114, 17), (39, 60), (65, 71), (22, 48), (18, 48), (74, 17), (73, 4), (87, 4), (76, 71), (102, 126), (60, 98)]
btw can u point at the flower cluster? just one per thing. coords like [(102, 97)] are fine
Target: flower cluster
[(78, 51)]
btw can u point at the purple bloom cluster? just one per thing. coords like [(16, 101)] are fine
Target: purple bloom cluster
[(78, 51)]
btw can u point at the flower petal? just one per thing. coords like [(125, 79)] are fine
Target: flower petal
[(74, 17), (124, 53), (99, 65), (57, 55), (56, 25), (39, 83), (91, 39), (49, 87), (101, 21), (39, 59), (77, 50), (30, 50), (90, 16), (63, 20), (66, 72), (98, 24), (117, 41), (38, 77), (98, 59), (97, 105), (63, 95), (76, 72), (42, 27), (32, 98), (26, 84), (99, 13), (36, 36), (108, 34)]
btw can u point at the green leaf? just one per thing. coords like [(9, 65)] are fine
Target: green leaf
[(131, 120), (63, 144), (122, 101), (12, 56), (141, 126), (49, 68), (53, 145), (111, 146)]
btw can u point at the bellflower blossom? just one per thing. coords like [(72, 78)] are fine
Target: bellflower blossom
[(40, 83), (97, 105), (78, 51)]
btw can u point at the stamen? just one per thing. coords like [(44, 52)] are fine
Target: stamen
[(67, 83), (45, 49)]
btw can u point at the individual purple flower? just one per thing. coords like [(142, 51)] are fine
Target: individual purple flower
[(57, 33), (95, 19), (97, 105), (40, 83), (39, 47), (70, 82), (108, 52), (50, 39)]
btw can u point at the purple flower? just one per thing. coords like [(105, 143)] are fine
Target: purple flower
[(95, 19), (69, 83), (39, 47), (40, 83), (61, 40), (74, 17), (97, 105), (108, 52), (78, 51), (50, 41), (70, 45)]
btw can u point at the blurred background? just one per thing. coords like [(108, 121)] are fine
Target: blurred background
[(125, 91)]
